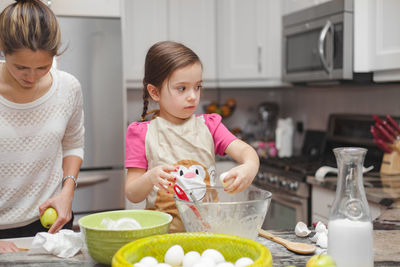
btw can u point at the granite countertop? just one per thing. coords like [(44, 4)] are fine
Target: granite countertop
[(386, 246)]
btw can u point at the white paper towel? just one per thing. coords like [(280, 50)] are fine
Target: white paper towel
[(64, 244), (284, 137)]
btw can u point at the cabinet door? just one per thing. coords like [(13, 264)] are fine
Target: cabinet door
[(248, 38), (192, 22), (5, 3), (144, 22), (87, 8), (387, 50)]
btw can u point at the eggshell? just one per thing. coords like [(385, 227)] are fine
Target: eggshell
[(244, 261), (174, 255), (213, 254), (322, 240), (163, 265), (321, 227), (190, 258), (301, 229), (138, 264), (221, 178), (149, 261)]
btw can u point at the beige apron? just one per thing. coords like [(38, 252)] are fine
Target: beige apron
[(189, 146)]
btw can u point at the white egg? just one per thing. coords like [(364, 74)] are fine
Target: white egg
[(205, 262), (190, 258), (149, 261), (244, 261), (138, 264), (174, 255), (163, 265), (221, 178), (225, 264), (213, 254)]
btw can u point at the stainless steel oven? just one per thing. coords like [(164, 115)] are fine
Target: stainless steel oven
[(318, 43), (290, 198)]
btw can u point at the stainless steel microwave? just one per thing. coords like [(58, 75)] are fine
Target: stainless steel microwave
[(318, 43)]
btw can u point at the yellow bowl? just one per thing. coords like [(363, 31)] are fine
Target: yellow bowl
[(232, 247), (103, 243)]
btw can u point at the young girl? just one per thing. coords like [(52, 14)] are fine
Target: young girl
[(41, 124), (177, 146)]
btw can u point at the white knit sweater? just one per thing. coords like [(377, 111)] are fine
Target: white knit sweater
[(34, 138)]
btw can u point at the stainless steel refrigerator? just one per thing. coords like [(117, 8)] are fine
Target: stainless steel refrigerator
[(93, 55)]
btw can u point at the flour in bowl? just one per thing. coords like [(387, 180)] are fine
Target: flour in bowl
[(121, 224)]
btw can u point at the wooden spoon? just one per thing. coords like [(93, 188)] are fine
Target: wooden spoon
[(301, 248)]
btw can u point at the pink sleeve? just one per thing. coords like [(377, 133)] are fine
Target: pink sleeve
[(221, 135), (135, 151)]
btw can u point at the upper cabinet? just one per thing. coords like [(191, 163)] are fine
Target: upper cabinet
[(248, 43), (145, 22), (238, 42), (387, 38), (376, 41), (86, 8), (5, 3)]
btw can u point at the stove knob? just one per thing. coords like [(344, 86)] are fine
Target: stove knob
[(283, 183), (261, 176), (273, 179), (294, 185)]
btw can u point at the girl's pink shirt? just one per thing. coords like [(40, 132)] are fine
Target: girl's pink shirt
[(135, 151)]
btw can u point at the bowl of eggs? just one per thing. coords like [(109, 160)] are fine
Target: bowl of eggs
[(106, 232), (216, 211), (193, 250)]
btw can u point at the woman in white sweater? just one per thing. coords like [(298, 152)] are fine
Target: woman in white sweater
[(41, 124)]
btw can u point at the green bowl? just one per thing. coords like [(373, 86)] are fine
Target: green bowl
[(232, 247), (103, 243)]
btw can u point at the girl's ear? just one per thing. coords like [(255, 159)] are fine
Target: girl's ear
[(153, 92)]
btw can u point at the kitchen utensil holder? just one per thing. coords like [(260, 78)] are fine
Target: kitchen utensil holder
[(391, 161)]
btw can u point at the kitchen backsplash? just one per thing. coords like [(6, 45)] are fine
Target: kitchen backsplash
[(310, 105)]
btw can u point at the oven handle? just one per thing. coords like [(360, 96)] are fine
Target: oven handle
[(288, 199), (322, 38)]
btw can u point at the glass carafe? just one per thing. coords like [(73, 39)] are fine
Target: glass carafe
[(350, 233)]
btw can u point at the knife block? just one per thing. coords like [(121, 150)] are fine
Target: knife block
[(391, 161)]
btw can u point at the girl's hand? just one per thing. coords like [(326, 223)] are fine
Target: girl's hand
[(160, 176), (6, 246), (62, 203), (240, 177)]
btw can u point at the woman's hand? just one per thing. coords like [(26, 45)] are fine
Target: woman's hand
[(6, 246), (161, 176), (62, 203)]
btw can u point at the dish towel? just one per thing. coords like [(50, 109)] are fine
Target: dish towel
[(64, 244)]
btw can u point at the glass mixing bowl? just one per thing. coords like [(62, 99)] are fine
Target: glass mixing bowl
[(240, 214)]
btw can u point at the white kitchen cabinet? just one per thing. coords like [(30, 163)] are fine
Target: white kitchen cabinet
[(387, 37), (248, 43), (86, 8), (322, 200), (192, 22), (5, 3), (146, 22), (376, 40)]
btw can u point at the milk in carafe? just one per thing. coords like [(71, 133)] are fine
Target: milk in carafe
[(350, 233), (350, 243)]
